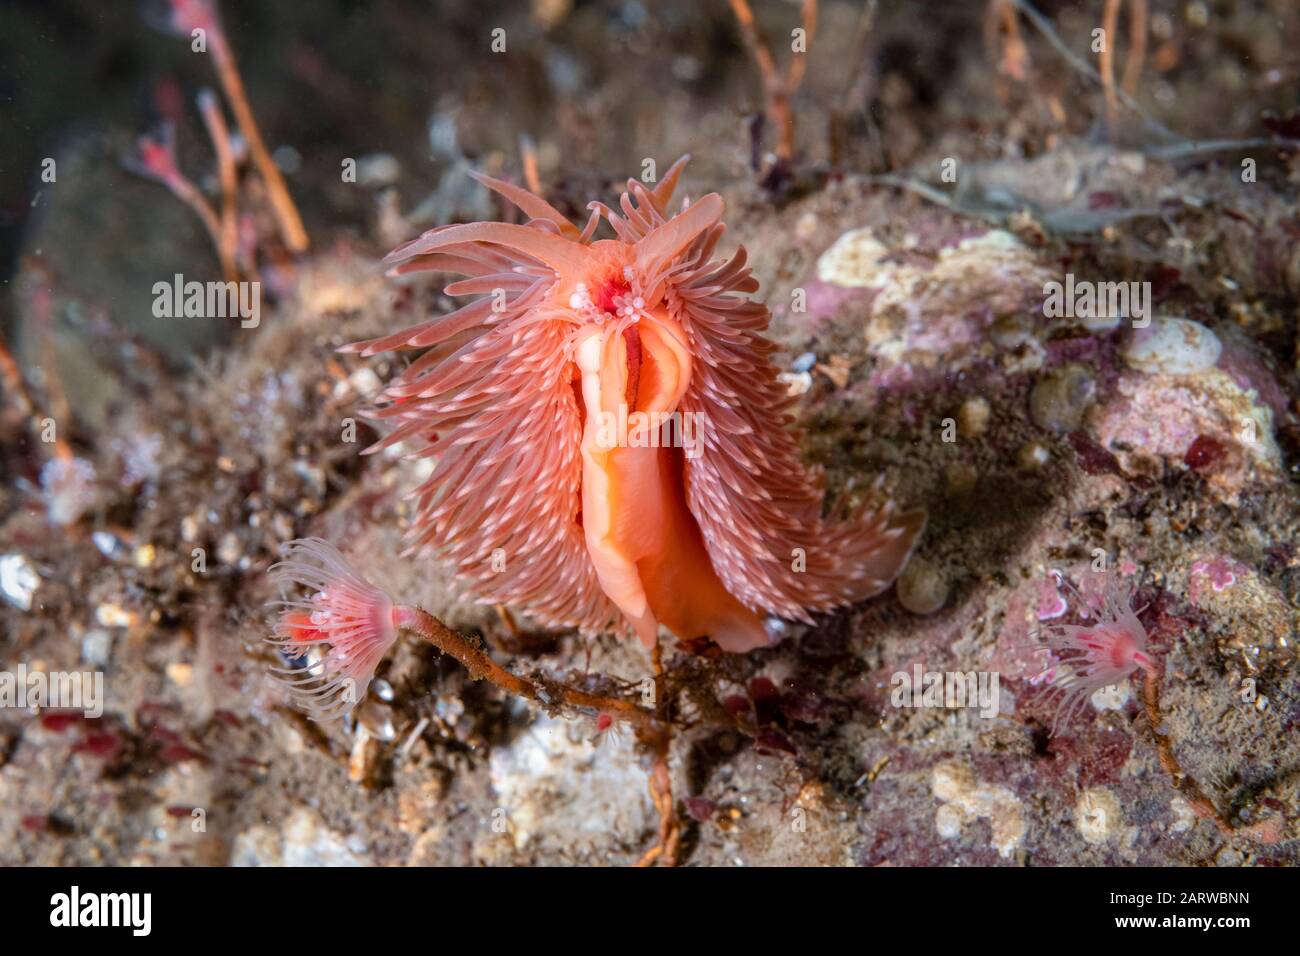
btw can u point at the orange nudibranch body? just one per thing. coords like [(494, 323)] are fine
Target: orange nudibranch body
[(646, 548), (607, 417)]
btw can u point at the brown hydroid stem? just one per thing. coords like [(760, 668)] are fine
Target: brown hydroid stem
[(532, 178), (661, 787), (1190, 790), (650, 729), (11, 378), (482, 667), (227, 235), (778, 90), (286, 213), (188, 193), (1106, 63), (42, 304), (1137, 28), (1136, 56)]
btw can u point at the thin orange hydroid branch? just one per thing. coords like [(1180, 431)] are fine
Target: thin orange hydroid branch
[(12, 379), (1137, 29), (156, 160), (799, 63), (42, 302), (778, 91), (776, 102), (286, 213), (1137, 25), (1003, 30), (649, 727), (481, 667), (1106, 62), (1184, 784), (528, 150), (188, 193), (228, 229), (661, 793), (766, 65), (661, 788)]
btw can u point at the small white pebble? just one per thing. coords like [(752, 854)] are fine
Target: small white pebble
[(796, 383), (922, 587), (973, 417), (1172, 346), (948, 820), (853, 260), (1184, 816), (96, 647), (1112, 696), (18, 580), (112, 615), (1097, 815)]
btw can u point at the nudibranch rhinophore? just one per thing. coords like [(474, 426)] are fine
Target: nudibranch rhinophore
[(611, 444)]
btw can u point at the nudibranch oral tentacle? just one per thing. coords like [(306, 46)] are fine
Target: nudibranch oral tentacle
[(611, 445)]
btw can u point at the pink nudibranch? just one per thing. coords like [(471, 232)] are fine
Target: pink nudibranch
[(611, 443)]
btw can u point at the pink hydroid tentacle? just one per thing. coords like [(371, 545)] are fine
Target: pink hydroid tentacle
[(335, 637), (1084, 658)]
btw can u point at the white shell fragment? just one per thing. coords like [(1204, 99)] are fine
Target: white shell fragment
[(18, 580), (853, 261), (1172, 346)]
